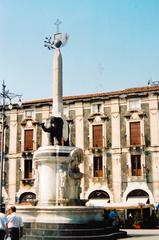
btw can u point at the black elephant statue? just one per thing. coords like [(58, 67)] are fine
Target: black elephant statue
[(55, 130)]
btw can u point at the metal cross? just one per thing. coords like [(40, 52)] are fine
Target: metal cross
[(57, 23)]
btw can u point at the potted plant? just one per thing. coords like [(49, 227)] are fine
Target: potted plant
[(137, 220)]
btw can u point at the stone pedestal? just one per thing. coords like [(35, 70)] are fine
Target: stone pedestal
[(52, 164)]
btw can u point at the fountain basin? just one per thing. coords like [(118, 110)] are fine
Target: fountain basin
[(60, 214)]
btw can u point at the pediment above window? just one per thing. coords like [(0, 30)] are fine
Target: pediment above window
[(135, 115), (28, 122), (97, 117)]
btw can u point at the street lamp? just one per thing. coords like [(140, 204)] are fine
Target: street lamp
[(6, 97)]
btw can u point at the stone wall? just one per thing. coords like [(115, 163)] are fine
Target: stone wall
[(107, 112), (86, 114), (19, 132), (73, 132), (124, 171), (145, 109), (39, 129), (122, 126)]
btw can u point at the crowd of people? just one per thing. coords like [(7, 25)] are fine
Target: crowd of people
[(11, 225)]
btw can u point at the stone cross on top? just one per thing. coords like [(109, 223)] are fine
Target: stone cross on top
[(57, 23)]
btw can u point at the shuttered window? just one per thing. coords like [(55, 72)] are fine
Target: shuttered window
[(28, 168), (135, 138), (136, 165), (97, 136), (28, 140), (98, 166)]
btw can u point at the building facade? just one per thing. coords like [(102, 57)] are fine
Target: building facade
[(118, 132)]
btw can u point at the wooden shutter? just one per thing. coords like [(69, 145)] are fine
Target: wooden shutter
[(28, 168), (97, 136), (135, 138), (98, 167), (136, 165), (28, 140)]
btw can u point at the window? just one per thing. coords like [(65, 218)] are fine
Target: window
[(136, 165), (29, 114), (97, 136), (96, 108), (98, 166), (27, 197), (135, 138), (28, 168), (134, 105), (28, 140)]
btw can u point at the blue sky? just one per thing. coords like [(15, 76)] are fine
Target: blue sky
[(113, 44)]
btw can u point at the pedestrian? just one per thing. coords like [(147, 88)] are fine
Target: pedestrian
[(130, 221), (15, 224), (3, 225), (112, 217)]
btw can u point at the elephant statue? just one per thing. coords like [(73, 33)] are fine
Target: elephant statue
[(55, 130)]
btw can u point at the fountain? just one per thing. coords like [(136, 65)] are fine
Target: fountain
[(59, 213)]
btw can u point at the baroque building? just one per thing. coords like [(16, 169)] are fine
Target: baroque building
[(117, 131)]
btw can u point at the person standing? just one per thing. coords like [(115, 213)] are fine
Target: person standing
[(112, 217), (15, 224), (3, 225)]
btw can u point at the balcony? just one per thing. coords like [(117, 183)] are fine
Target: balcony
[(136, 148), (28, 181)]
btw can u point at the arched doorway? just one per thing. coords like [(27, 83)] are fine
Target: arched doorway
[(27, 198), (98, 198), (98, 194), (141, 198), (138, 196)]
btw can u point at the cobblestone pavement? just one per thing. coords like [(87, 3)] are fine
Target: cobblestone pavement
[(146, 234)]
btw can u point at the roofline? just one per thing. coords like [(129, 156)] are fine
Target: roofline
[(127, 91)]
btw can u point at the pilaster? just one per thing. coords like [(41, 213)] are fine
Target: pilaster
[(155, 175), (154, 120), (12, 165), (116, 180), (12, 169), (115, 120), (80, 136), (79, 126)]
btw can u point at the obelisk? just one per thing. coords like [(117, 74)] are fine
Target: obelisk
[(58, 42), (57, 122), (57, 109)]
